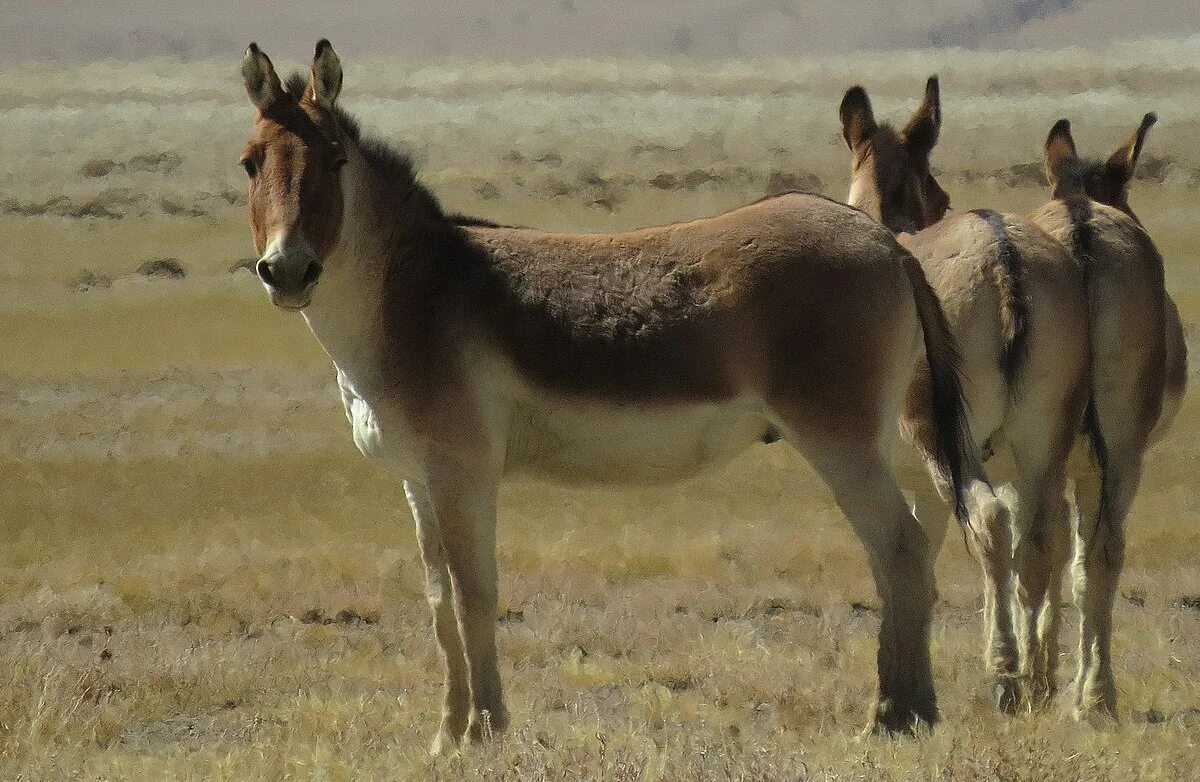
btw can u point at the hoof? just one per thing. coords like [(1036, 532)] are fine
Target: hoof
[(444, 745), (889, 719), (486, 725), (1041, 696), (1007, 693), (1097, 714)]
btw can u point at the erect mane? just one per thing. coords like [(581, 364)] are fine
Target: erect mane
[(1074, 175), (390, 164)]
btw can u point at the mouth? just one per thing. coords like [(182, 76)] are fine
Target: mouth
[(291, 302)]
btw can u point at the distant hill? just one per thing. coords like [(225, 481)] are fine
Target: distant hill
[(539, 29)]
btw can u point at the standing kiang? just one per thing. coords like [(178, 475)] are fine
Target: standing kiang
[(466, 352), (1017, 304), (1134, 387), (1139, 378)]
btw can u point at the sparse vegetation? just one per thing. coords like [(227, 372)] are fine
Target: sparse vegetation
[(201, 579)]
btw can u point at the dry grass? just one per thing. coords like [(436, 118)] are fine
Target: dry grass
[(201, 579)]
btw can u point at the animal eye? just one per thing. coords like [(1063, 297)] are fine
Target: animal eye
[(250, 166)]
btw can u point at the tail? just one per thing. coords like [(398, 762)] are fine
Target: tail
[(1014, 304), (954, 448), (1082, 241)]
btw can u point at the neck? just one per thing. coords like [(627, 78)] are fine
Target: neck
[(865, 198), (345, 314)]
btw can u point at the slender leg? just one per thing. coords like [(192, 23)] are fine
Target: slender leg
[(990, 539), (1050, 618), (438, 590), (456, 525), (934, 514), (898, 552), (464, 500), (1040, 485), (1099, 558)]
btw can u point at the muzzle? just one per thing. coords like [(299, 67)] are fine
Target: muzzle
[(289, 274)]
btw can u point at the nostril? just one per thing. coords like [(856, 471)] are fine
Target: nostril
[(313, 273), (263, 269)]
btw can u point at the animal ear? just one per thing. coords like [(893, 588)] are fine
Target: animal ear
[(921, 133), (1060, 150), (325, 82), (1121, 166), (858, 121), (262, 85)]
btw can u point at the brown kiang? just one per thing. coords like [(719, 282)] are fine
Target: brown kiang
[(1017, 304), (466, 351), (1140, 372), (1070, 347)]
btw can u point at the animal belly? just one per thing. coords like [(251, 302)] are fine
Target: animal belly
[(629, 444)]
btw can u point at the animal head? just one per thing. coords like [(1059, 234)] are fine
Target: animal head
[(294, 160), (1106, 182), (891, 180)]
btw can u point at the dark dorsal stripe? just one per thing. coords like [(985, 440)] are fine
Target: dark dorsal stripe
[(1014, 304), (1083, 242), (1083, 237)]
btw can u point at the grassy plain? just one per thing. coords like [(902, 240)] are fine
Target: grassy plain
[(200, 578)]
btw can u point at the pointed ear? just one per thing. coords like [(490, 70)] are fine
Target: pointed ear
[(921, 133), (1121, 166), (325, 81), (262, 85), (858, 121), (1060, 150)]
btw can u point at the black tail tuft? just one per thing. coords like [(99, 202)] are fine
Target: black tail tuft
[(1014, 302), (954, 448)]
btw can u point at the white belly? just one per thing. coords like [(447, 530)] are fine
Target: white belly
[(598, 443), (582, 442)]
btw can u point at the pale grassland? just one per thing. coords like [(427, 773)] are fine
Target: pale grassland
[(201, 579)]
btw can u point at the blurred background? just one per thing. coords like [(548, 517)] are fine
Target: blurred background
[(536, 29)]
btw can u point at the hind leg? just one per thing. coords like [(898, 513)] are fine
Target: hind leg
[(1039, 554), (1099, 558), (1058, 542), (989, 535), (899, 556)]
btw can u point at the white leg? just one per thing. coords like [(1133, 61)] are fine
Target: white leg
[(990, 539), (439, 592), (463, 505)]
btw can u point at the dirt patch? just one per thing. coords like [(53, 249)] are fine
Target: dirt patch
[(162, 268), (346, 616), (88, 280), (158, 163), (788, 181)]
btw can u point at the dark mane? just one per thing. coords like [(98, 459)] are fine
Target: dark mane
[(1075, 175), (392, 165)]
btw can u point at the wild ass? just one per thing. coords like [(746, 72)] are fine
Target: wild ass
[(466, 352), (1138, 380), (1016, 303)]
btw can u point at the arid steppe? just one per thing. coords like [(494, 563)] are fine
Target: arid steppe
[(200, 578)]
